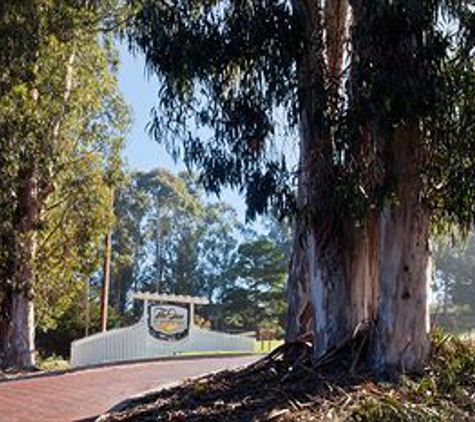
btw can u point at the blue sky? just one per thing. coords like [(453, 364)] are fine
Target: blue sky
[(140, 91), (142, 152)]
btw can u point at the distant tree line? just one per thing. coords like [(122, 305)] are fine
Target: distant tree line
[(454, 283), (166, 237)]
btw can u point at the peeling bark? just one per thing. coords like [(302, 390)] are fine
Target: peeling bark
[(341, 274), (363, 272), (336, 24), (328, 284), (333, 269), (18, 328), (402, 325), (300, 310), (20, 341)]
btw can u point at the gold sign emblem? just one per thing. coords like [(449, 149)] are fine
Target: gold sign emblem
[(168, 321)]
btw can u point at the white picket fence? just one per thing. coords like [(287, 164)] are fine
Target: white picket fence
[(136, 343)]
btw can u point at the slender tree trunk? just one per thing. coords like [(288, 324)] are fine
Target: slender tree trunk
[(87, 308), (402, 325), (106, 276)]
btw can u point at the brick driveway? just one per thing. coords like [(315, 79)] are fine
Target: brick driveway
[(83, 395)]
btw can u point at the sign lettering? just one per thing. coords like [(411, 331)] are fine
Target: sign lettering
[(168, 322)]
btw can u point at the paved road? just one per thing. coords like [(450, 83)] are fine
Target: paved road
[(83, 395)]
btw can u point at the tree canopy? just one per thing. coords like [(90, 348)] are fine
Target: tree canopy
[(228, 67), (232, 67), (168, 238), (62, 121)]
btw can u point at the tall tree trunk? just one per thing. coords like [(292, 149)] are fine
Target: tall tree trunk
[(17, 324), (402, 325), (312, 136), (106, 275), (331, 286), (18, 328), (300, 310), (20, 341)]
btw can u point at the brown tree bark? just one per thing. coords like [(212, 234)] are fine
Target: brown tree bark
[(331, 285), (20, 346), (340, 274), (299, 306), (311, 74), (18, 328), (402, 324)]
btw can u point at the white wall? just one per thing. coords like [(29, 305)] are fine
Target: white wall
[(135, 343)]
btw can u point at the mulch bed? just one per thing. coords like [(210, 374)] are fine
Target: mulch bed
[(288, 385)]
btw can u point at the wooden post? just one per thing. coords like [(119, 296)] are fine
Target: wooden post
[(107, 268), (192, 314), (145, 310), (88, 307), (105, 281)]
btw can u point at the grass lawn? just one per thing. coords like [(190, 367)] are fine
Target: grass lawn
[(260, 347), (267, 346)]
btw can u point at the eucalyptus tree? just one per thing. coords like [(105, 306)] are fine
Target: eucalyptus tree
[(128, 241), (381, 94), (60, 117), (220, 231), (168, 238), (169, 224)]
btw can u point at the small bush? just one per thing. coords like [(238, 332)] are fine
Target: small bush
[(52, 363)]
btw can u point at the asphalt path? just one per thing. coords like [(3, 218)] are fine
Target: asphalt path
[(83, 395)]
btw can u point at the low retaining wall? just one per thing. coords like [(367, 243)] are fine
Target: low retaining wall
[(136, 343)]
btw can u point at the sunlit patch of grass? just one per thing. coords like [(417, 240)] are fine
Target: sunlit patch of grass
[(266, 346)]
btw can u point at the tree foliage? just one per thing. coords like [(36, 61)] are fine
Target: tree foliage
[(255, 298), (169, 238), (235, 92), (232, 67), (62, 121), (455, 282)]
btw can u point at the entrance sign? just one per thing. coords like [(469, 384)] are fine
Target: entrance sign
[(169, 317), (166, 328), (168, 322)]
